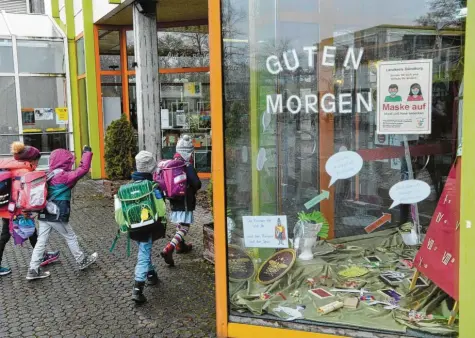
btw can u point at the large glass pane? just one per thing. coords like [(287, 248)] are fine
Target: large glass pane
[(80, 56), (5, 142), (6, 56), (109, 49), (178, 47), (43, 111), (8, 106), (185, 109), (40, 26), (304, 86), (41, 56), (111, 98), (47, 142)]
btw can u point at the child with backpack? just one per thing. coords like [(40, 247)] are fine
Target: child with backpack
[(57, 213), (25, 159), (142, 210), (183, 207)]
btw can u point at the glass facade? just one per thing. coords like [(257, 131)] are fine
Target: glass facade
[(33, 87), (330, 106)]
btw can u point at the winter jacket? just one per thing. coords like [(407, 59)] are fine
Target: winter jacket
[(188, 202), (17, 168), (61, 184), (155, 230)]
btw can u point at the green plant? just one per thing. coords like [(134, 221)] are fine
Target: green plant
[(316, 217), (120, 144)]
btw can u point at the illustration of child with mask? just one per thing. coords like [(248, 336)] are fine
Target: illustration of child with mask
[(393, 97), (415, 93)]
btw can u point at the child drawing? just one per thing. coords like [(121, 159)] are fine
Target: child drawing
[(393, 97), (280, 232), (415, 93)]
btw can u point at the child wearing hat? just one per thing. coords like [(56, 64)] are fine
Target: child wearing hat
[(25, 158), (182, 208), (145, 236)]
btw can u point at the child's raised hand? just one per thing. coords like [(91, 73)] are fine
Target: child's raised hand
[(87, 149)]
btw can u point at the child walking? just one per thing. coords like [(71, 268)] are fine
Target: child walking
[(182, 208), (59, 193), (25, 158), (144, 236)]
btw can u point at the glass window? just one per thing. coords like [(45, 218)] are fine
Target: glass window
[(301, 92), (6, 56), (5, 142), (23, 25), (41, 56), (111, 98), (80, 56), (178, 47), (83, 109), (8, 108), (39, 108), (47, 142), (109, 49)]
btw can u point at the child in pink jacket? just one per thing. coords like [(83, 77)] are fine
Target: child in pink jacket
[(56, 215)]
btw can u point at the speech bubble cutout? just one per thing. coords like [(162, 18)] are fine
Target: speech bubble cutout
[(261, 159), (266, 118), (342, 165), (409, 192)]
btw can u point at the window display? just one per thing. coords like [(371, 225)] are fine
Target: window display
[(340, 133)]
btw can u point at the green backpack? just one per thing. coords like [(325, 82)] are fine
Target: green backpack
[(137, 202)]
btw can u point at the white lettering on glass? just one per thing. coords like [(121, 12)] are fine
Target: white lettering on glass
[(329, 53), (290, 106), (276, 106), (361, 100), (310, 50), (343, 103), (325, 108), (273, 71), (311, 103), (296, 60), (351, 53)]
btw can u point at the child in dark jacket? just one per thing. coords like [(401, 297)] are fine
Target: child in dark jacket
[(61, 163), (182, 208), (146, 235)]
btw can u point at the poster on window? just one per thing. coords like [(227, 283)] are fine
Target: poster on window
[(265, 231), (404, 97), (62, 116), (44, 114), (438, 257)]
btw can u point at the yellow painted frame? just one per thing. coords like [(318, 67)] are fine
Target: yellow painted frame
[(467, 194)]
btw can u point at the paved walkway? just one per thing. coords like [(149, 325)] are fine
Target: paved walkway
[(96, 302)]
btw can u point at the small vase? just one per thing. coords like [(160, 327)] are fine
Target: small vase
[(307, 246)]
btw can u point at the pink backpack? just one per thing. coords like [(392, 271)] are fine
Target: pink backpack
[(171, 178), (29, 191)]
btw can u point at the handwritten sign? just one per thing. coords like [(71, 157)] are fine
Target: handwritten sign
[(438, 257), (265, 231), (342, 165), (404, 98), (409, 192)]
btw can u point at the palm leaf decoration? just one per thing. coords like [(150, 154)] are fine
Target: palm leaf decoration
[(316, 217)]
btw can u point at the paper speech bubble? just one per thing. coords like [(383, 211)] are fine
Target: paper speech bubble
[(266, 119), (261, 159), (342, 165), (409, 192)]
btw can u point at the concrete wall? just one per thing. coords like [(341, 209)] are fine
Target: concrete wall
[(101, 8)]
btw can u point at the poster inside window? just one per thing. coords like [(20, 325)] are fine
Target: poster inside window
[(341, 126)]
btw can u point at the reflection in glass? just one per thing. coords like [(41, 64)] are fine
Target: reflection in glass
[(41, 56), (8, 108), (320, 58), (109, 49)]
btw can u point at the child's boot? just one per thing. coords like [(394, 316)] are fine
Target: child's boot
[(152, 278), (167, 254), (137, 292)]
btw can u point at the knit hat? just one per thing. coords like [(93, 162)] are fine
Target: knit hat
[(22, 152), (185, 147), (145, 162)]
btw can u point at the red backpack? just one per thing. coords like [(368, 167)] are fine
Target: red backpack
[(29, 191)]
